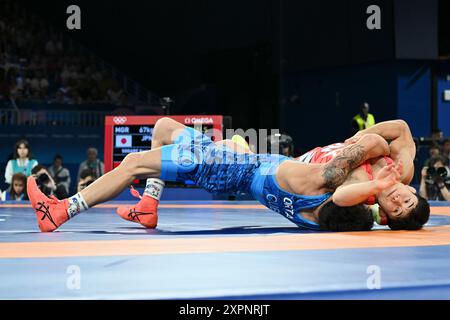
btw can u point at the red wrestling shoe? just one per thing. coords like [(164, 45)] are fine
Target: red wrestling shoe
[(50, 212), (145, 212)]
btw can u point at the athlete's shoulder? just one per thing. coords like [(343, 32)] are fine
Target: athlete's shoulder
[(322, 154)]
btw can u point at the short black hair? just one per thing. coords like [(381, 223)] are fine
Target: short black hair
[(37, 168), (86, 173), (437, 159), (415, 219), (58, 156), (355, 218), (435, 146)]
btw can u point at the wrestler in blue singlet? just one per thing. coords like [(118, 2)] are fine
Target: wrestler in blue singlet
[(218, 169)]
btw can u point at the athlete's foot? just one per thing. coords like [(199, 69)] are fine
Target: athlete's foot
[(50, 212), (145, 212)]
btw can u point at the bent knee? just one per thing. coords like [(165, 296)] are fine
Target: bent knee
[(132, 160), (165, 122)]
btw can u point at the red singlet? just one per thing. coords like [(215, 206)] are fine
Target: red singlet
[(327, 153)]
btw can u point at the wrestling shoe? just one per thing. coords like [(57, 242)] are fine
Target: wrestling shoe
[(50, 212), (144, 212)]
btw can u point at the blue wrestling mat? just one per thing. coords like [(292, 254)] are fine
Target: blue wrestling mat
[(218, 249)]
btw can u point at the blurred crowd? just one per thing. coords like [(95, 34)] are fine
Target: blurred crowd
[(54, 180), (36, 63)]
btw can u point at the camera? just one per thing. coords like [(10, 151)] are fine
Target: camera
[(437, 174), (280, 143), (42, 181)]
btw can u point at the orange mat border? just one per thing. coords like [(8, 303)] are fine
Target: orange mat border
[(435, 236), (434, 210)]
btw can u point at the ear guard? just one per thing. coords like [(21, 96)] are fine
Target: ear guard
[(376, 215)]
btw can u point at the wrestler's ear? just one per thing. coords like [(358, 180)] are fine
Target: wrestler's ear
[(383, 217)]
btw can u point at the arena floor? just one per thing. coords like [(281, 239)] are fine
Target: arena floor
[(217, 250)]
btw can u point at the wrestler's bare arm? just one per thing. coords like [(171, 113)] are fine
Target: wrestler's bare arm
[(309, 179), (402, 146), (336, 171), (356, 193)]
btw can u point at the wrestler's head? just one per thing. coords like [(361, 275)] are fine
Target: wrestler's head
[(403, 207), (355, 218)]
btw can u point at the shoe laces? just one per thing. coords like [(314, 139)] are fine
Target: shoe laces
[(135, 193)]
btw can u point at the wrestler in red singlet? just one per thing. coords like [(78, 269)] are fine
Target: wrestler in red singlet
[(327, 153)]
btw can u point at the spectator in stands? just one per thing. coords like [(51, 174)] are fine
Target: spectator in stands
[(437, 136), (434, 152), (114, 94), (435, 182), (446, 149), (92, 163), (22, 161), (363, 120), (60, 175), (86, 178), (34, 62), (46, 183), (18, 188)]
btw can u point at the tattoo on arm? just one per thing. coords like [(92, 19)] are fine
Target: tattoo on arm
[(337, 170)]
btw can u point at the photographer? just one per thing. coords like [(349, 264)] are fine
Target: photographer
[(435, 180), (60, 175), (46, 183)]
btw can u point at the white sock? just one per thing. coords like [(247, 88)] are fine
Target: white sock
[(76, 205), (154, 188)]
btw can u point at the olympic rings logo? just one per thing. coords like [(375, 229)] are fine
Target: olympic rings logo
[(119, 120)]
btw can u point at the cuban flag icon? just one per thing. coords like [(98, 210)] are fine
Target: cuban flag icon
[(123, 141)]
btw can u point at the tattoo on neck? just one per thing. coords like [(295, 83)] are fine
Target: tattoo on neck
[(337, 170)]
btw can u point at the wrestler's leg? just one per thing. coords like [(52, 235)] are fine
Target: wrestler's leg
[(52, 213), (134, 166), (165, 132)]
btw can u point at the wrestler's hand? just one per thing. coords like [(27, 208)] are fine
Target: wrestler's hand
[(424, 172), (387, 177)]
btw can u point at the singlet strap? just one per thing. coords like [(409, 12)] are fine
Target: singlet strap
[(368, 168)]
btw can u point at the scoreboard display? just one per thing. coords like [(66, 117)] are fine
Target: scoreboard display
[(126, 134), (131, 138)]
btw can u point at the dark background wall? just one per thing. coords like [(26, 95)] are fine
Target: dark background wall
[(320, 104), (298, 65)]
